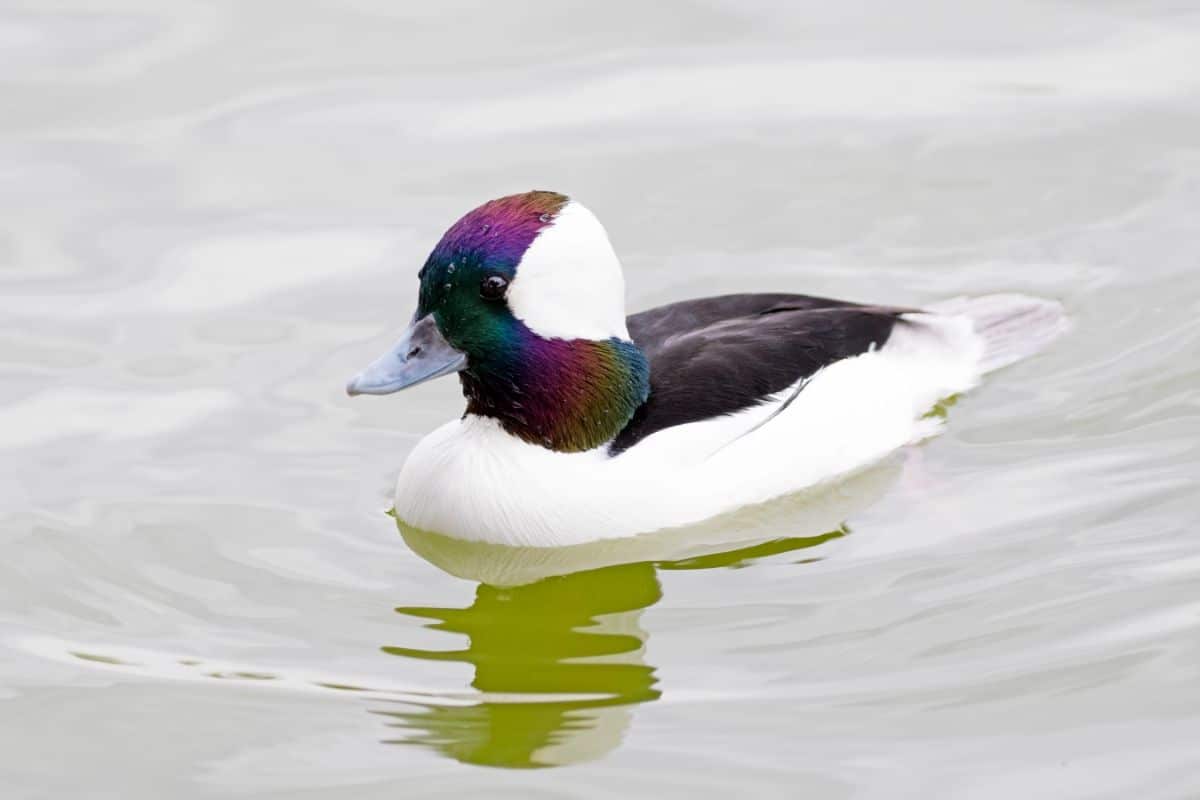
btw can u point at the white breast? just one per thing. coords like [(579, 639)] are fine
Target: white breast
[(471, 480)]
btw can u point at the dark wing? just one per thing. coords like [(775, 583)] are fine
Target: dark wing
[(719, 355)]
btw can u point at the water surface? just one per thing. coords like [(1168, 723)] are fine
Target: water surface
[(213, 214)]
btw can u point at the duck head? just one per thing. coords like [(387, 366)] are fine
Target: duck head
[(524, 299)]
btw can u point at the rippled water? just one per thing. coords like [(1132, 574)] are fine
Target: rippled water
[(212, 216)]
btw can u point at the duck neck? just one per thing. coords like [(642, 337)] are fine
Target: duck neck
[(567, 395)]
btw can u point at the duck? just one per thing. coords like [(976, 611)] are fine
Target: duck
[(583, 423)]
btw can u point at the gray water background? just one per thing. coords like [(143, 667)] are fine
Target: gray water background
[(211, 214)]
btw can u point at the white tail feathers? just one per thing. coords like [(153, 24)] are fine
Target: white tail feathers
[(1013, 326)]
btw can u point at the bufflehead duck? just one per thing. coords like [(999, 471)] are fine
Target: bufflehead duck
[(583, 424)]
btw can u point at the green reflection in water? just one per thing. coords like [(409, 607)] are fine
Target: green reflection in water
[(569, 646), (744, 556), (559, 662)]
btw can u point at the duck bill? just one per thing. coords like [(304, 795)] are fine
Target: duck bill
[(422, 354)]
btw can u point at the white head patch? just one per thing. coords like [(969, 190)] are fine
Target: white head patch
[(569, 283)]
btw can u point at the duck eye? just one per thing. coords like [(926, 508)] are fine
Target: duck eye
[(493, 287)]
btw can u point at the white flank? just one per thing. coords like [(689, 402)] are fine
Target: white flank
[(569, 283)]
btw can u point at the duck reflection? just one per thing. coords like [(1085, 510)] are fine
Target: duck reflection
[(554, 634), (557, 662)]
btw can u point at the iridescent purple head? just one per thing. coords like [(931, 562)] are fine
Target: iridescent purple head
[(493, 237), (524, 298)]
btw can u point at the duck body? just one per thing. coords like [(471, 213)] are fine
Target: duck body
[(582, 424)]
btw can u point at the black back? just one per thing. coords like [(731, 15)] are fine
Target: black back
[(719, 355)]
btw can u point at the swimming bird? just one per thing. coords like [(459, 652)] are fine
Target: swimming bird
[(582, 423)]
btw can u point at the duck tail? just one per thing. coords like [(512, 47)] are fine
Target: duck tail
[(1013, 326)]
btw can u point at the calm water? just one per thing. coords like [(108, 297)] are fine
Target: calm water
[(212, 215)]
